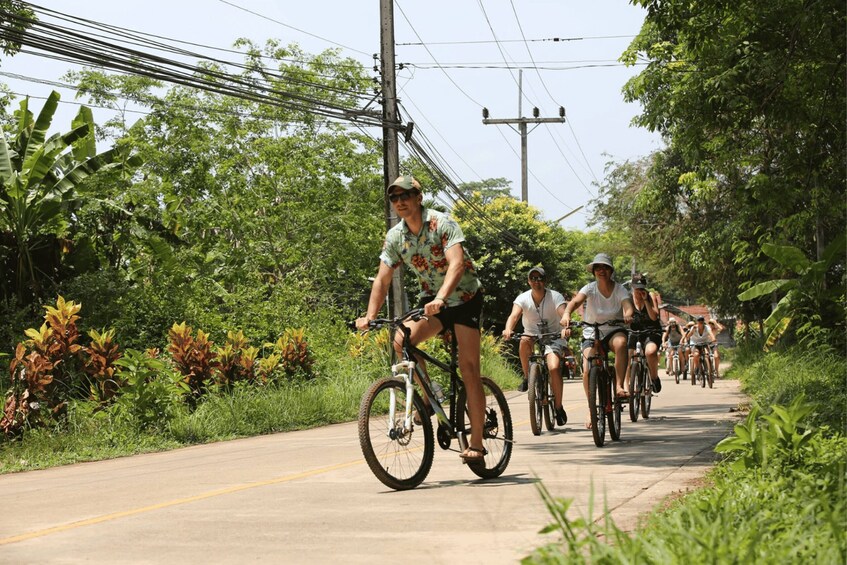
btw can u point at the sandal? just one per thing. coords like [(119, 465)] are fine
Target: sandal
[(473, 454), (623, 393)]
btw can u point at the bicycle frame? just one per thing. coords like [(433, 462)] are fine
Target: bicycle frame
[(409, 367)]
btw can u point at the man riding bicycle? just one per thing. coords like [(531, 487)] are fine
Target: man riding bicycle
[(429, 243), (540, 310)]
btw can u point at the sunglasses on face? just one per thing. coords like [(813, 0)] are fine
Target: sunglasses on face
[(399, 196), (536, 279)]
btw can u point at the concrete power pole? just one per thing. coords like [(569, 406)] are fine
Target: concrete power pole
[(390, 148), (522, 129)]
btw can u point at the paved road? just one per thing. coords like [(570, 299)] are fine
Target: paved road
[(308, 497)]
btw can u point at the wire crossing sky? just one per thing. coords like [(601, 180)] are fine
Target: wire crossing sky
[(456, 58)]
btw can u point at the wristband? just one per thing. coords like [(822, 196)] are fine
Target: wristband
[(441, 299)]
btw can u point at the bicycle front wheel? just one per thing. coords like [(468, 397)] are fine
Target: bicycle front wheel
[(497, 430), (550, 402), (399, 457), (535, 394), (597, 405), (646, 397), (614, 416)]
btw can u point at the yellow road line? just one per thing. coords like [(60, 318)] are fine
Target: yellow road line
[(176, 502)]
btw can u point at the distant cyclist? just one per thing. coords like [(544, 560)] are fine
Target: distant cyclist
[(699, 337), (716, 328), (671, 339), (646, 318), (540, 310)]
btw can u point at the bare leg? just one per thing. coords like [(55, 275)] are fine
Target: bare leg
[(554, 365), (618, 345), (469, 365)]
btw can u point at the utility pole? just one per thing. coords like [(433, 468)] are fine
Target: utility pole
[(390, 148), (522, 129)]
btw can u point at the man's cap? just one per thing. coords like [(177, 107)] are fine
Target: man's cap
[(539, 270), (406, 182), (639, 281), (600, 259), (701, 319)]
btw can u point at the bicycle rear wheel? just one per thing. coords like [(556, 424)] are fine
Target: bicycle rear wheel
[(535, 394), (400, 458), (597, 405), (635, 390), (497, 430)]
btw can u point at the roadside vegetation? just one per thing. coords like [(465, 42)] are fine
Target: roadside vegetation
[(199, 392), (778, 495)]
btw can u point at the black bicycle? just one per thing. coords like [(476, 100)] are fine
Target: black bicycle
[(603, 404), (395, 428), (640, 386), (539, 388), (705, 371)]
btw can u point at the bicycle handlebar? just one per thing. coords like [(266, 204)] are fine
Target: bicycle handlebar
[(517, 337), (584, 324), (415, 315)]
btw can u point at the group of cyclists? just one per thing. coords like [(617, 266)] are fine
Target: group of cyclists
[(606, 300), (430, 244)]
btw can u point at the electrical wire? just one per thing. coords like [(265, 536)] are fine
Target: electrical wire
[(81, 48), (546, 39)]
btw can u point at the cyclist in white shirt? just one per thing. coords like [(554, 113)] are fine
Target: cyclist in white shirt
[(540, 310), (604, 300), (700, 336)]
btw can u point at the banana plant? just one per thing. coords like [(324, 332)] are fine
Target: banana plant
[(39, 178), (807, 287)]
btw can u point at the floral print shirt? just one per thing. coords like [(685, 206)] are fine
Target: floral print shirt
[(423, 254)]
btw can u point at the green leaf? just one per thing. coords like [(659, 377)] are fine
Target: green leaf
[(765, 288), (788, 256), (86, 148)]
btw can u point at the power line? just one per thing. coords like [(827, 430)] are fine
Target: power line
[(82, 48), (294, 28), (460, 89), (548, 39)]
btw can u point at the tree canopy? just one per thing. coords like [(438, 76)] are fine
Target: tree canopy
[(750, 99)]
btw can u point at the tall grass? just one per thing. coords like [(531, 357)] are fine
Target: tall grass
[(780, 377)]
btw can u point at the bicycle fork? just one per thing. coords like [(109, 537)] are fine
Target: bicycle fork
[(406, 370)]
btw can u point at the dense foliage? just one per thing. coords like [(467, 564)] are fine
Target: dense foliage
[(750, 99)]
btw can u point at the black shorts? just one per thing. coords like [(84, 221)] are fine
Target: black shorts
[(467, 314), (644, 339), (589, 343)]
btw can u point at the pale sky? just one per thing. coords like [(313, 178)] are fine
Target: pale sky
[(446, 105)]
